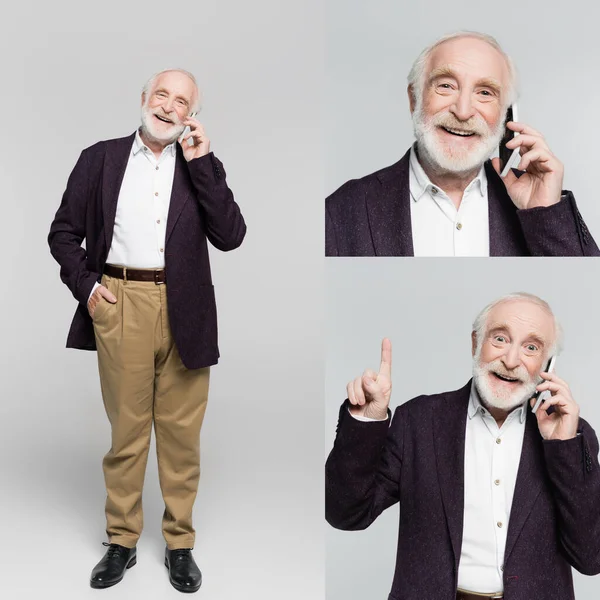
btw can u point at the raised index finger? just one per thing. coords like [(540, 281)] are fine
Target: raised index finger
[(385, 368)]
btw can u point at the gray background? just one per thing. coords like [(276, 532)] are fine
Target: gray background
[(426, 307), (72, 75), (370, 47)]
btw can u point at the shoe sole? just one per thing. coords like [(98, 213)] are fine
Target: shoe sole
[(185, 589), (100, 586)]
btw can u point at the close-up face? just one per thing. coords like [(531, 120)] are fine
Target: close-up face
[(514, 349), (460, 116), (169, 101)]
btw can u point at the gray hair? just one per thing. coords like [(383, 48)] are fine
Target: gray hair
[(480, 323), (416, 77), (150, 84)]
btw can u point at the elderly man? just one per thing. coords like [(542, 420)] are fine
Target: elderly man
[(146, 205), (444, 198), (495, 501)]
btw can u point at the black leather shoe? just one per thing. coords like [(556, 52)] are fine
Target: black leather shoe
[(111, 568), (184, 573)]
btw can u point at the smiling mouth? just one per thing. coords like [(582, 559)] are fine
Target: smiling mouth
[(459, 132), (506, 378), (163, 119)]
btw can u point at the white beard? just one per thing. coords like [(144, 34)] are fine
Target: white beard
[(150, 130), (447, 159), (500, 398)]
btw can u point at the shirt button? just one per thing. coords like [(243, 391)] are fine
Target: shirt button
[(499, 523), (156, 193), (157, 168), (434, 190), (162, 249), (502, 567), (459, 226), (158, 220), (498, 441), (497, 482)]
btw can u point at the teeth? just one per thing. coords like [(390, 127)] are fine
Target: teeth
[(458, 132), (503, 377)]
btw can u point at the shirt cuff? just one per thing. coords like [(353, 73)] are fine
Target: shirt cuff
[(96, 285), (367, 419)]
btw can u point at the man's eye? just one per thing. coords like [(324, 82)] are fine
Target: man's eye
[(532, 348), (500, 338)]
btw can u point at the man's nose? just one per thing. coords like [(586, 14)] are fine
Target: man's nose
[(511, 358), (463, 108), (168, 105)]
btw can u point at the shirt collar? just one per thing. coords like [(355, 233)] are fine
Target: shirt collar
[(475, 405), (138, 145), (420, 182)]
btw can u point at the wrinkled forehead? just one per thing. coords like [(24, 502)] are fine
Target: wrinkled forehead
[(176, 83), (469, 57), (523, 318)]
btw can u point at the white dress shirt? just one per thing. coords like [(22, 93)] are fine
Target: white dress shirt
[(438, 229), (140, 225), (492, 456)]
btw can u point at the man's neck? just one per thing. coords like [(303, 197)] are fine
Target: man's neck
[(155, 145), (453, 184), (499, 414)]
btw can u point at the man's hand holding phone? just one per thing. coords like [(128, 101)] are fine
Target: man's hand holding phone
[(541, 184), (562, 423), (194, 141), (101, 293), (370, 394)]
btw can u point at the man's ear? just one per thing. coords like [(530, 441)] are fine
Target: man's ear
[(143, 98), (411, 98), (473, 343)]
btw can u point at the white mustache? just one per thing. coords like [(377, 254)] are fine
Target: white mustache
[(174, 119), (474, 125), (519, 373)]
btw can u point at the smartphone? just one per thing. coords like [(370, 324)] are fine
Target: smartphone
[(509, 159), (187, 130), (541, 396)]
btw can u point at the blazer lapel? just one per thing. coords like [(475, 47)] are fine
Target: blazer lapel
[(388, 209), (506, 235), (530, 478), (180, 193), (115, 163), (449, 427)]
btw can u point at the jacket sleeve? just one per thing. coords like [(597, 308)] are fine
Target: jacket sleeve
[(575, 476), (331, 246), (557, 230), (67, 233), (362, 473), (225, 225)]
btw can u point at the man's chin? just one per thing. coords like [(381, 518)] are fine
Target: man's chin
[(506, 400), (163, 137), (449, 159)]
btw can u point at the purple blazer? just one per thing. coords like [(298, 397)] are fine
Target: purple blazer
[(418, 461), (371, 217), (202, 208)]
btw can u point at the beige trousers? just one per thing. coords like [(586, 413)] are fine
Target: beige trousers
[(143, 381)]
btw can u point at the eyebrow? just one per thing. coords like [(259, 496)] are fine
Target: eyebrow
[(162, 89), (532, 336), (447, 71)]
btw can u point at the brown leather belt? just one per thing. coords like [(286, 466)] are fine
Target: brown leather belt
[(464, 595), (157, 276)]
